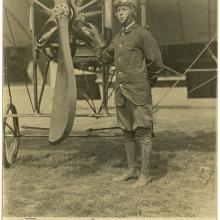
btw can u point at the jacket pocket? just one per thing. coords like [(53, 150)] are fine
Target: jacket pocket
[(119, 98)]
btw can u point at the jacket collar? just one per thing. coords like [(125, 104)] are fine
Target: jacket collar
[(129, 28)]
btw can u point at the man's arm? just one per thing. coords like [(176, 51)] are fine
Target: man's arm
[(107, 55), (103, 52), (153, 57)]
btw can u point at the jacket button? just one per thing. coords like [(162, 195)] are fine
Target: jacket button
[(120, 45)]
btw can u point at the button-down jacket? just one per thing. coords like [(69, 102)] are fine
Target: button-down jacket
[(137, 60)]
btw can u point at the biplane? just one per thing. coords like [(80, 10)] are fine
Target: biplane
[(59, 31)]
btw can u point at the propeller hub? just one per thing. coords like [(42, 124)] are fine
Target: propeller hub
[(61, 10)]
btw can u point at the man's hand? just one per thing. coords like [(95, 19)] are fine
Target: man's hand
[(98, 40)]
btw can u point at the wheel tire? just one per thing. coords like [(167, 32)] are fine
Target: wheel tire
[(11, 138)]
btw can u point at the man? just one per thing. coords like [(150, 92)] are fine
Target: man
[(138, 61)]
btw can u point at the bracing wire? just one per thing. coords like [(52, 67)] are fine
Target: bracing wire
[(199, 86), (110, 82), (18, 22), (10, 28), (88, 90), (87, 99), (15, 46), (186, 71), (192, 90)]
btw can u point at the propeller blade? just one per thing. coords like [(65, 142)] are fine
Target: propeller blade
[(65, 92)]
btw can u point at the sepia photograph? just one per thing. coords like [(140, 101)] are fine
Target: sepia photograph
[(109, 109)]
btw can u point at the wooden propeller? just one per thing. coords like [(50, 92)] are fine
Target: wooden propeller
[(65, 92), (52, 24)]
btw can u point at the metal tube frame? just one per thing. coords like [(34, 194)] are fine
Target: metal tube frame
[(143, 4), (35, 57)]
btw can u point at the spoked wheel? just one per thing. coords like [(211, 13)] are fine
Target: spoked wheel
[(11, 136)]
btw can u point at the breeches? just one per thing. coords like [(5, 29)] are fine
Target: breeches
[(131, 116)]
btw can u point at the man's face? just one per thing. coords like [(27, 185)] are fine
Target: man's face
[(123, 13)]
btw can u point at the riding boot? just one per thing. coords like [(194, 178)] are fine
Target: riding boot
[(146, 150), (131, 172)]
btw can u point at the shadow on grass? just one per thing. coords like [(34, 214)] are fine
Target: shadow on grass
[(158, 166), (198, 141), (85, 156)]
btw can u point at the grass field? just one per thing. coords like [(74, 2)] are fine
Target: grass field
[(74, 178)]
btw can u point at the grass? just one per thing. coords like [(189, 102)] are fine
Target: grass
[(74, 179)]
